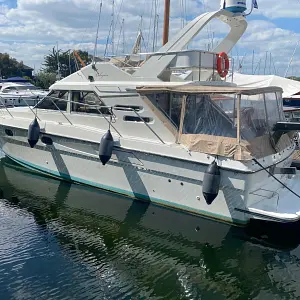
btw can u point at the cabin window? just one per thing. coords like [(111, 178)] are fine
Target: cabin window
[(259, 114), (203, 116), (88, 102), (10, 89), (170, 105), (280, 105), (137, 119), (253, 116), (56, 100), (273, 112), (227, 103)]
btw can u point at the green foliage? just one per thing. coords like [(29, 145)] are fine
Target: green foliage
[(67, 62), (44, 80), (294, 78), (9, 66), (29, 79)]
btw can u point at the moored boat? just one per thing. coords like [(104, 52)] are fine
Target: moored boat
[(205, 147), (20, 94)]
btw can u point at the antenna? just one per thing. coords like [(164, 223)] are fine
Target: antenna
[(96, 42)]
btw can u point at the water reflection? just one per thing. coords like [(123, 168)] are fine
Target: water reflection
[(65, 241)]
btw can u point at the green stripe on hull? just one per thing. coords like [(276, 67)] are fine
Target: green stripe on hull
[(143, 197)]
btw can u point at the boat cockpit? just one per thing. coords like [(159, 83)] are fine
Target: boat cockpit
[(227, 121)]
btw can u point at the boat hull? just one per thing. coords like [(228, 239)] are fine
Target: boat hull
[(15, 101), (163, 180)]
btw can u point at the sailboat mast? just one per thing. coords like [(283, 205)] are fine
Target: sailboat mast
[(166, 22)]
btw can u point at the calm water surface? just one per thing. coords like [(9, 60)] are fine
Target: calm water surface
[(64, 241)]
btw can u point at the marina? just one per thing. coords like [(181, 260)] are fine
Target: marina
[(198, 145), (164, 174)]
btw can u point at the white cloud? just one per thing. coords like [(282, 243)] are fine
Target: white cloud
[(31, 29)]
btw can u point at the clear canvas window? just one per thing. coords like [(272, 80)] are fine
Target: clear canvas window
[(259, 114), (56, 100), (280, 105), (88, 102), (205, 116), (253, 117), (170, 105), (227, 103)]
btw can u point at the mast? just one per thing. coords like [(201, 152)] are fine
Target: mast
[(113, 29), (123, 42), (166, 22), (58, 67), (287, 70)]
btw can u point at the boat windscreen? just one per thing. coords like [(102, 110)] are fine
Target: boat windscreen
[(259, 114), (27, 87), (204, 116)]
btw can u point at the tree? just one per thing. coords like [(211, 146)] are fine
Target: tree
[(10, 66), (294, 78), (44, 80), (67, 61)]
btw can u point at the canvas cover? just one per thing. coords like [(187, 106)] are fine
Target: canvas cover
[(228, 147), (290, 87), (211, 119)]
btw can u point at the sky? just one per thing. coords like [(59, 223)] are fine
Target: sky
[(29, 29)]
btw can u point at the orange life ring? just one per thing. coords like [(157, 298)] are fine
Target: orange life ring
[(222, 64)]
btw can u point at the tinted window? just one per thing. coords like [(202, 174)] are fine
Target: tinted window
[(88, 102), (54, 101), (9, 90), (27, 87)]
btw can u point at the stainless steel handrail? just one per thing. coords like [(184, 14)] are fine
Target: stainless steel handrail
[(88, 105), (60, 111), (35, 114), (142, 119), (6, 107), (111, 108)]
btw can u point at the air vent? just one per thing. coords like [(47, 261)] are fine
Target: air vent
[(128, 107), (47, 140), (137, 119), (9, 132)]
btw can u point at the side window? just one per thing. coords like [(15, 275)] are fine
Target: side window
[(54, 101), (9, 90), (88, 102), (169, 105)]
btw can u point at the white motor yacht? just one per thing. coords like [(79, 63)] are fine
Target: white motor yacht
[(20, 94), (204, 147)]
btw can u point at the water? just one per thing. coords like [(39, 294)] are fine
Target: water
[(63, 241)]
